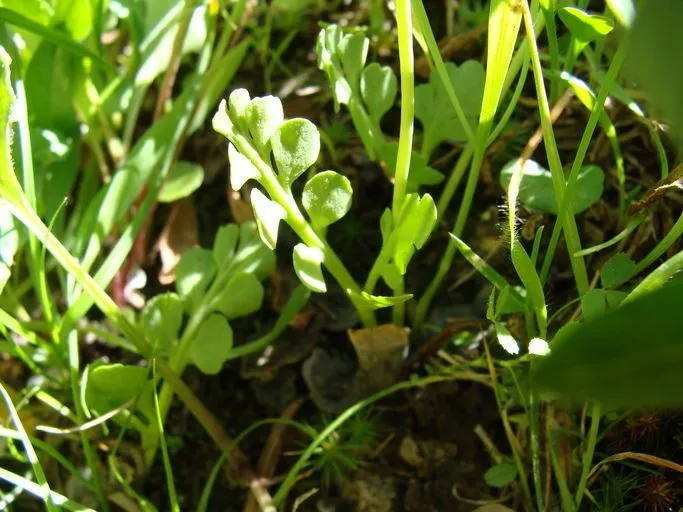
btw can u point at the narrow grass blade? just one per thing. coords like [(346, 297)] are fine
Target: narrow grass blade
[(170, 484), (43, 486), (33, 488)]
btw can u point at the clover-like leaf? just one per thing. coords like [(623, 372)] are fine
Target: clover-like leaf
[(584, 26), (212, 344), (308, 267), (420, 172), (296, 146), (536, 190), (9, 244), (194, 272), (263, 116), (327, 198), (161, 319), (617, 270), (596, 302), (109, 386), (238, 101), (327, 48), (252, 255), (241, 169), (417, 219), (183, 179), (242, 296), (378, 86), (434, 109), (268, 216), (225, 244)]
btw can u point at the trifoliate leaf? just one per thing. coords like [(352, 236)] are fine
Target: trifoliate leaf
[(268, 216), (434, 108), (308, 267), (194, 272), (537, 192), (595, 303), (296, 146), (212, 344), (327, 198), (183, 179), (263, 116), (225, 244), (378, 86), (617, 270), (161, 319), (242, 296), (241, 169)]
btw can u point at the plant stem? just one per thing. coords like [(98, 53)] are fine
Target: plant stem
[(559, 185), (587, 460), (297, 221)]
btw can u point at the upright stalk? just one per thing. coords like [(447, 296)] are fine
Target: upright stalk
[(404, 24)]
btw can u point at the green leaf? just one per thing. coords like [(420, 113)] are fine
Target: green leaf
[(583, 26), (353, 51), (327, 198), (9, 244), (596, 302), (241, 169), (420, 171), (501, 475), (242, 296), (417, 219), (378, 301), (617, 270), (329, 61), (183, 179), (378, 86), (9, 185), (110, 386), (194, 272), (212, 345), (161, 319), (537, 192), (239, 100), (76, 15), (263, 116), (158, 56), (630, 357), (252, 255), (296, 146), (268, 216), (308, 267), (433, 106), (225, 245)]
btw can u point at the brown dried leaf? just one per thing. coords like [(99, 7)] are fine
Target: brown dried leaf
[(180, 234), (380, 352)]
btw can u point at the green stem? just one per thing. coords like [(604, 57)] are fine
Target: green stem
[(453, 181), (565, 218), (669, 239), (568, 222), (298, 223), (587, 460)]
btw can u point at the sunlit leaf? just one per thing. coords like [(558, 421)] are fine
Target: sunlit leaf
[(327, 197), (9, 244), (225, 245), (112, 385), (378, 86), (268, 216), (241, 169), (308, 267), (161, 319), (263, 116), (194, 272), (584, 26), (296, 146)]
